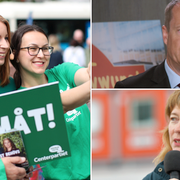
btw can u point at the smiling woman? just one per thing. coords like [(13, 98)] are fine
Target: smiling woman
[(8, 170), (24, 61), (31, 58), (6, 83), (4, 43)]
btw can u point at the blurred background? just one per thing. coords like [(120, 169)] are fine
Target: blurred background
[(126, 39), (126, 136), (59, 17)]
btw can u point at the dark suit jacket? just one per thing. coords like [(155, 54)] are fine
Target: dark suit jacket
[(155, 77)]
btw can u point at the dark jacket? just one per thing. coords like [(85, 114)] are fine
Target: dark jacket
[(155, 77), (158, 173), (55, 59)]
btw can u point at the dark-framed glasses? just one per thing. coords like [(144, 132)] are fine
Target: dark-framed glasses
[(34, 50)]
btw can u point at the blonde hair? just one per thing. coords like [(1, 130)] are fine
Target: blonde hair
[(4, 69), (173, 100)]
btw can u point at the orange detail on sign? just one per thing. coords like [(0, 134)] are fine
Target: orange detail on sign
[(105, 75)]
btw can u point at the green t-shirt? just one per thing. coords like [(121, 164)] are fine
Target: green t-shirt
[(78, 126), (2, 171), (10, 87)]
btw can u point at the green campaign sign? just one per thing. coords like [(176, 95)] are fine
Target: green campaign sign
[(37, 112)]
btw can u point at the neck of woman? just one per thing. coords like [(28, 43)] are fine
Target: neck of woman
[(34, 80)]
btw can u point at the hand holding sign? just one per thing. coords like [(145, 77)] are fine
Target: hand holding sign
[(12, 171), (41, 121)]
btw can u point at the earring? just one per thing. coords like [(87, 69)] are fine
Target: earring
[(11, 55)]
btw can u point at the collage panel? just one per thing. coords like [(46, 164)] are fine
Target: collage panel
[(135, 130), (129, 133), (133, 47)]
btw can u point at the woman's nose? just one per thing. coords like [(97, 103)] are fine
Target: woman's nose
[(40, 54), (177, 128), (4, 43)]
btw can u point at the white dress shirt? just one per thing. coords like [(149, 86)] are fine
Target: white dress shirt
[(174, 79)]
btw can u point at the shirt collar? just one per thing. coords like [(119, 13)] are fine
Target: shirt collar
[(174, 78)]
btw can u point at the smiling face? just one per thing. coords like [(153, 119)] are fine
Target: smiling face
[(174, 128), (7, 144), (32, 65), (4, 43), (172, 40)]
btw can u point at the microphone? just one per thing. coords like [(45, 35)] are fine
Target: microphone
[(172, 164), (11, 55)]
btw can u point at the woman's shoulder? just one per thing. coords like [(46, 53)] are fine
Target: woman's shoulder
[(12, 83), (9, 87), (11, 80), (158, 173)]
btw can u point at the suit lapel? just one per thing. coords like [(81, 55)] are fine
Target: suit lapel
[(160, 76)]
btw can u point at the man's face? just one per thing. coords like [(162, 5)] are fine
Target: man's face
[(172, 40)]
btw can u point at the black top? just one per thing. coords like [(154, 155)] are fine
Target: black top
[(55, 59)]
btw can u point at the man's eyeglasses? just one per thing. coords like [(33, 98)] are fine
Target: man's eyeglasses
[(34, 50)]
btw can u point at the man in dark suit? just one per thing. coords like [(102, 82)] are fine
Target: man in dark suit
[(167, 74), (155, 77)]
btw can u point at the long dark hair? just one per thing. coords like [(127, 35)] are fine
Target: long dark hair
[(13, 146), (15, 46)]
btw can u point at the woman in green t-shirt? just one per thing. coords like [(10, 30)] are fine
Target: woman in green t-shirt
[(7, 168), (31, 58)]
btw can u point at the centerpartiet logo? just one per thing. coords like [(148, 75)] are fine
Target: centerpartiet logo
[(74, 113), (53, 149), (58, 149)]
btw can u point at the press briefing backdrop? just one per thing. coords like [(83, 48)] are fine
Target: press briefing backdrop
[(126, 39)]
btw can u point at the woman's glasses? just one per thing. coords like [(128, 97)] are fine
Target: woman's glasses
[(34, 50)]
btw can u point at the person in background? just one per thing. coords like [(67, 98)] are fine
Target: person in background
[(166, 74), (78, 35), (87, 51), (75, 54), (170, 133), (56, 57), (31, 58), (8, 170)]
